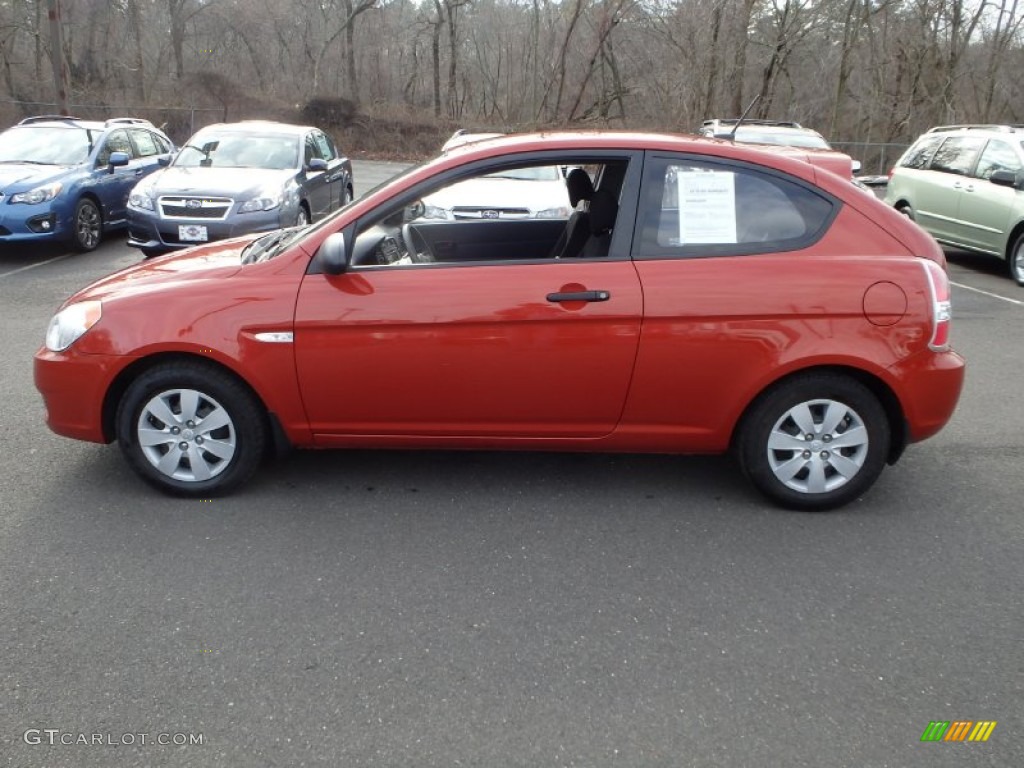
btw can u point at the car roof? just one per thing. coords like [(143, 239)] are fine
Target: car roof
[(795, 160), (67, 121), (979, 127), (255, 126)]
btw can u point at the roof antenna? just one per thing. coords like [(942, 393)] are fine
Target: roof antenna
[(750, 106)]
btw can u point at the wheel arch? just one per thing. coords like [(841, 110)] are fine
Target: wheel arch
[(1016, 232), (279, 440), (899, 433)]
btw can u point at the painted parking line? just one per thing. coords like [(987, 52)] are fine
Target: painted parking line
[(1018, 302), (33, 266)]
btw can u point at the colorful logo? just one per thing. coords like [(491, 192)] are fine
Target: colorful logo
[(958, 730)]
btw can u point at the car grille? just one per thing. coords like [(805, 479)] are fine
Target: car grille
[(479, 212), (195, 207)]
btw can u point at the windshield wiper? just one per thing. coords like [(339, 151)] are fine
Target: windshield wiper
[(268, 246)]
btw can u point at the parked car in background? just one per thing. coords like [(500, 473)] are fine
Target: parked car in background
[(965, 185), (519, 193), (774, 132), (67, 179), (238, 178), (720, 297)]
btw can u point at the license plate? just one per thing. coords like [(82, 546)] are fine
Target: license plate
[(192, 233)]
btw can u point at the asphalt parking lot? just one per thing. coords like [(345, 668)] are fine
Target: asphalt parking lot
[(445, 609)]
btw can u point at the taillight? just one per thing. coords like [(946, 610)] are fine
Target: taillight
[(942, 307)]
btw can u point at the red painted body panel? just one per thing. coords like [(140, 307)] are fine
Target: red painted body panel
[(476, 356), (475, 350)]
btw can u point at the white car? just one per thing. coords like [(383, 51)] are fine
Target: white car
[(518, 193)]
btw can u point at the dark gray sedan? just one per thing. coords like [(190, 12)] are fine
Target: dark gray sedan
[(236, 178)]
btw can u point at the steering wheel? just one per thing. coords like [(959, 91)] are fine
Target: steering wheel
[(416, 245)]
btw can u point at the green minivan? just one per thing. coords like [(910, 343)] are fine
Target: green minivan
[(964, 184)]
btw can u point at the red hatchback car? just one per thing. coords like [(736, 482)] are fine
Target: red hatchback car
[(702, 297)]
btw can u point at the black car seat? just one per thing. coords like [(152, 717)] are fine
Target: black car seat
[(604, 209), (577, 228)]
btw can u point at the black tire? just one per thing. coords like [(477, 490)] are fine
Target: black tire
[(812, 474), (346, 197), (1015, 260), (87, 226), (150, 253), (160, 401)]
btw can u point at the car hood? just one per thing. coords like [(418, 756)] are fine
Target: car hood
[(28, 175), (487, 192), (216, 261), (237, 183)]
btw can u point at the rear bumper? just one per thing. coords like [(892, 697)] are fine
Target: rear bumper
[(930, 386)]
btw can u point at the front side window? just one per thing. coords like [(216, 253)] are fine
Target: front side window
[(997, 156), (692, 207), (957, 154), (324, 146), (116, 142), (515, 212)]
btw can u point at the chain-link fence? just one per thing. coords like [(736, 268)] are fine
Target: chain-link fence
[(177, 122)]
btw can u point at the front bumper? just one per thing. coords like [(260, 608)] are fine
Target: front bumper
[(147, 229), (73, 387), (26, 223)]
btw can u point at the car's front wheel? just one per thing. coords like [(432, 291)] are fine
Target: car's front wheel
[(191, 429), (1017, 260), (87, 226), (814, 442)]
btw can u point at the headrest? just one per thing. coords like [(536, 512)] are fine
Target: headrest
[(579, 185), (603, 210)]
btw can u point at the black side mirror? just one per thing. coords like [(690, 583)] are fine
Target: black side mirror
[(1004, 179), (317, 164), (332, 256)]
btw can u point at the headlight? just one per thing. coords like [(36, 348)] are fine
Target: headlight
[(70, 323), (262, 203), (553, 213), (433, 212), (42, 194), (141, 200)]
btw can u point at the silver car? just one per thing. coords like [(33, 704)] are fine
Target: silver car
[(236, 178)]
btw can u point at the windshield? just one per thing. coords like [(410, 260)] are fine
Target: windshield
[(46, 145), (240, 150)]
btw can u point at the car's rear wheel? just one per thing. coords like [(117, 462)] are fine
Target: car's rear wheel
[(906, 210), (87, 226), (191, 429), (302, 217), (1016, 260), (814, 442)]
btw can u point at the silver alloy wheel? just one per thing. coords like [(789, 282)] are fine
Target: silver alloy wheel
[(817, 446), (186, 435), (1017, 262), (87, 225)]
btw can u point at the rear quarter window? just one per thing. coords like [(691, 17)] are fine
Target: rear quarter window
[(920, 155), (693, 207)]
